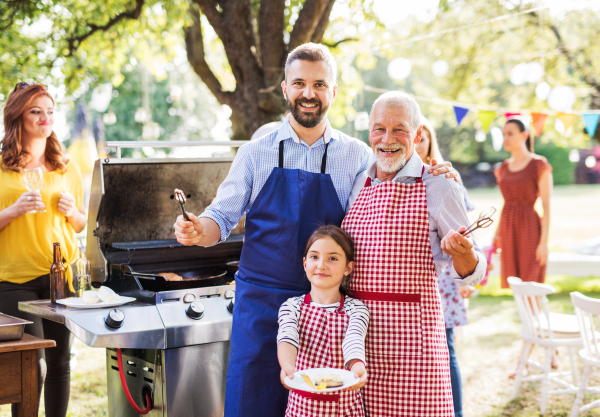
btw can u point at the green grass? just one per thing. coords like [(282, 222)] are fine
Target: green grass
[(488, 350)]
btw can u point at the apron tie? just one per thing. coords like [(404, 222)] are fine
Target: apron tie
[(323, 160)]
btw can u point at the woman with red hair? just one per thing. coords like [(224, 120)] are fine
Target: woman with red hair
[(26, 238)]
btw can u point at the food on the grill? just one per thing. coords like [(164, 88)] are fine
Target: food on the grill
[(331, 380), (170, 276), (107, 295), (90, 297)]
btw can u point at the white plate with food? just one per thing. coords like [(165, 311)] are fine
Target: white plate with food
[(321, 380), (103, 298)]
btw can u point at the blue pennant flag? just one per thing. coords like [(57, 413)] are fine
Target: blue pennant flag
[(591, 122), (460, 113)]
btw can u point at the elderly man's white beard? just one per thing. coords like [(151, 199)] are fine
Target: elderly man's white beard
[(391, 165)]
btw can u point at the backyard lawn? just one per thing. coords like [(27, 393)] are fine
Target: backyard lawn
[(488, 348)]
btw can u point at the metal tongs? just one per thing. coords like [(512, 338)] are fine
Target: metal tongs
[(484, 220), (180, 197)]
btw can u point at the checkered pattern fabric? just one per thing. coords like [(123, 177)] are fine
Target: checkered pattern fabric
[(321, 336), (406, 351)]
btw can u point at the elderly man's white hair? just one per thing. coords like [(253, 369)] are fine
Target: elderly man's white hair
[(399, 99)]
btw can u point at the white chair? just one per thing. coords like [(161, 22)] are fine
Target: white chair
[(588, 315), (548, 330)]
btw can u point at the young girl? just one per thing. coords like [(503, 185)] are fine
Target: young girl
[(325, 328)]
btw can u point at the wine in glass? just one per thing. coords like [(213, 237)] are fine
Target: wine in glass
[(34, 179)]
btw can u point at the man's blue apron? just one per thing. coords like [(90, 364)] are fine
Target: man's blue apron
[(290, 206)]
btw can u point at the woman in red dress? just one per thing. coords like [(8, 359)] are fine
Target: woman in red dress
[(522, 235)]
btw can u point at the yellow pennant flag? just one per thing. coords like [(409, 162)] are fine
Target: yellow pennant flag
[(486, 117), (566, 119)]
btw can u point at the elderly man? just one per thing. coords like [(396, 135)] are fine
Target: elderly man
[(404, 222), (287, 182)]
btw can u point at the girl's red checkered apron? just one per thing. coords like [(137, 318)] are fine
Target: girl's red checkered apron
[(321, 337), (395, 276)]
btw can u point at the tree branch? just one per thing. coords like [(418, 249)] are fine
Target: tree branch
[(335, 44), (210, 9), (74, 42), (588, 78), (317, 36), (270, 32), (194, 43), (307, 22)]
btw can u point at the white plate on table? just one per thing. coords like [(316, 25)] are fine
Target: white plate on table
[(77, 302), (299, 383)]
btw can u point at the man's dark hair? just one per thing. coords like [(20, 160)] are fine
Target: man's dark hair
[(312, 52)]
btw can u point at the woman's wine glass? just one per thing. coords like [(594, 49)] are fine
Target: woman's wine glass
[(34, 179)]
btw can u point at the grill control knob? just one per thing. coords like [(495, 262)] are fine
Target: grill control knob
[(229, 294), (189, 297), (195, 310), (230, 305), (115, 318)]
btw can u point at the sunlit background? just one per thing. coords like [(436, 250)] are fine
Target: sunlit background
[(471, 64)]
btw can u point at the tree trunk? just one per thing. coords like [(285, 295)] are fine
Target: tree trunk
[(257, 65)]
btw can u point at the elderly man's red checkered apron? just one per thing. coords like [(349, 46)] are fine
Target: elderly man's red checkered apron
[(321, 337), (395, 276)]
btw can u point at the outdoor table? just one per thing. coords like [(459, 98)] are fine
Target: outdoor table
[(19, 373)]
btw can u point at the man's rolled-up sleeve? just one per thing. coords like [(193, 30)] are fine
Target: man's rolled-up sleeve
[(233, 195), (451, 216)]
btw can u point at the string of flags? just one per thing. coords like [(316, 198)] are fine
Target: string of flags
[(487, 114), (486, 117)]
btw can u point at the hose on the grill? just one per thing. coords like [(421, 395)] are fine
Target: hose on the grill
[(127, 394)]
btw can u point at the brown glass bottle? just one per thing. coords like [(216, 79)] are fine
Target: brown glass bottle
[(58, 285)]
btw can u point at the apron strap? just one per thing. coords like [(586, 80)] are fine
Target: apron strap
[(422, 172), (324, 160), (338, 310), (341, 307), (368, 181), (281, 154), (307, 299)]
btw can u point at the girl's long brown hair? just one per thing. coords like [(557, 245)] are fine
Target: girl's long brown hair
[(343, 240), (14, 157)]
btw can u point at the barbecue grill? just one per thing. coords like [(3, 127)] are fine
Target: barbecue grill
[(175, 336)]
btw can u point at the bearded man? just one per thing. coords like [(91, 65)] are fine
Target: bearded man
[(288, 183), (405, 224)]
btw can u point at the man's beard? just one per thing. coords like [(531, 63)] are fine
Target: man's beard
[(307, 120), (391, 165)]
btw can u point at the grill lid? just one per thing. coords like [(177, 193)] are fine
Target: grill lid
[(137, 202), (132, 204)]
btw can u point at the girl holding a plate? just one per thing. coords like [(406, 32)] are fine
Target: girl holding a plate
[(325, 328)]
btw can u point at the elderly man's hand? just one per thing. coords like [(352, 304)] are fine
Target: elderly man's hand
[(455, 244), (188, 233), (461, 249), (444, 167)]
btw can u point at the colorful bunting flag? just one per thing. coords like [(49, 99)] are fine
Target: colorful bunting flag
[(591, 122), (486, 117), (566, 119), (539, 120), (511, 115), (460, 113)]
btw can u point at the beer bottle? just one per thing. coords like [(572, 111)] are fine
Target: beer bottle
[(58, 287)]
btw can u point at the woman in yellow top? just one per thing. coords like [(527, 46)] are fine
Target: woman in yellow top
[(26, 238)]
